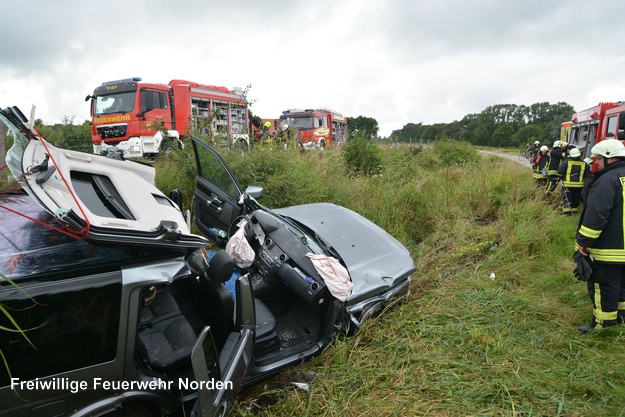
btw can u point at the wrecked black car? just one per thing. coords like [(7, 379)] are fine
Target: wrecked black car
[(125, 312)]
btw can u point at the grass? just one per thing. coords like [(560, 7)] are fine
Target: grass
[(464, 344)]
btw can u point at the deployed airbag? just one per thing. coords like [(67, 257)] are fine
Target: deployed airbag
[(334, 275), (240, 250)]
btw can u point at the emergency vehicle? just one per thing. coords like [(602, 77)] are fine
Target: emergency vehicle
[(614, 123), (316, 128), (565, 131), (133, 115), (588, 127)]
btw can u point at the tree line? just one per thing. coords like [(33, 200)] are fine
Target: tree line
[(505, 125)]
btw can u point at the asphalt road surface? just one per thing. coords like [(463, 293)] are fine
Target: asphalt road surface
[(524, 162)]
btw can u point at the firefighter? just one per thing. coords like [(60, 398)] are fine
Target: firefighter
[(555, 158), (601, 237), (573, 172), (534, 151), (588, 179), (540, 166), (265, 135), (283, 137)]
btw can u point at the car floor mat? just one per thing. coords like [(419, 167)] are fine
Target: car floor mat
[(298, 325)]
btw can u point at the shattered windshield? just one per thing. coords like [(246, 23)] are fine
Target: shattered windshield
[(115, 103)]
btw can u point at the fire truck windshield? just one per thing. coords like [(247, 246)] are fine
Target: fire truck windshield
[(300, 122), (114, 103)]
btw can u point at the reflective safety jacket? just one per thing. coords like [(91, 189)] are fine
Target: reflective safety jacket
[(601, 228), (555, 157), (573, 172), (540, 166)]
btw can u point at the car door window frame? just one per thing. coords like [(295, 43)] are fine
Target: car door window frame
[(227, 184)]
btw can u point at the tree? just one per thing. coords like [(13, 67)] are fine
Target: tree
[(68, 135), (367, 126), (528, 134), (409, 133), (502, 135)]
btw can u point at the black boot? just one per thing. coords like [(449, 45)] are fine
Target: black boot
[(589, 327), (621, 317), (597, 326)]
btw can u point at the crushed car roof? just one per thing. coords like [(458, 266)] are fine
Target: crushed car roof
[(98, 198)]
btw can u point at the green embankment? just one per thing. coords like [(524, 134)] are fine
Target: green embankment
[(464, 344)]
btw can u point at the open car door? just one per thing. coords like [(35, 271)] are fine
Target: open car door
[(219, 199), (219, 374)]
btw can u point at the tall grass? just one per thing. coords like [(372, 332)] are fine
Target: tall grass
[(464, 344)]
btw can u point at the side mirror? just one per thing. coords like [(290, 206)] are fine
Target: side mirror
[(254, 191), (142, 114)]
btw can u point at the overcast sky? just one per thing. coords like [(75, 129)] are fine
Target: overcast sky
[(398, 61)]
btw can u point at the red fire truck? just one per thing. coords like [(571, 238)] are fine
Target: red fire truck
[(316, 128), (588, 127), (614, 123), (132, 115), (565, 131)]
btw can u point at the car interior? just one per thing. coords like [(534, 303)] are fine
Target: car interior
[(290, 299)]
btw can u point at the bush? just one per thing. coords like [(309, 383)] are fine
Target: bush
[(362, 157), (451, 152)]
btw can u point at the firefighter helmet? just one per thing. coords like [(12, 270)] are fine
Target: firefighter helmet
[(267, 124), (575, 153), (285, 126), (536, 143), (544, 148), (557, 143), (609, 148), (588, 161)]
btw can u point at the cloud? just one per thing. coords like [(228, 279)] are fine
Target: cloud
[(396, 61)]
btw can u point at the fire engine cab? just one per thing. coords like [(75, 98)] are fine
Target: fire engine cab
[(316, 128), (141, 119), (588, 127)]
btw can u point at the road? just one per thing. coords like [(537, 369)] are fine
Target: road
[(523, 162)]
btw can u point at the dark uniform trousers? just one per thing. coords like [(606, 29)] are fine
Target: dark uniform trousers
[(606, 289)]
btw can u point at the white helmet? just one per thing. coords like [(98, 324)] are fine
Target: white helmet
[(588, 161), (557, 143), (575, 153), (285, 126), (609, 148), (544, 148), (537, 143)]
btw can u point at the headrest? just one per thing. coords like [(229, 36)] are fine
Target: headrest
[(220, 267)]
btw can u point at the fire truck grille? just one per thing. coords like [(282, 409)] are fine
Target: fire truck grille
[(116, 131)]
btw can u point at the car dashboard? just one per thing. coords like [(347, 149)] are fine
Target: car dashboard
[(281, 250)]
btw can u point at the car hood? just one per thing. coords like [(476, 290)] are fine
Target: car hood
[(375, 260)]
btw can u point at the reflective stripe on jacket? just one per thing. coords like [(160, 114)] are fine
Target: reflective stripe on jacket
[(602, 229), (572, 172)]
